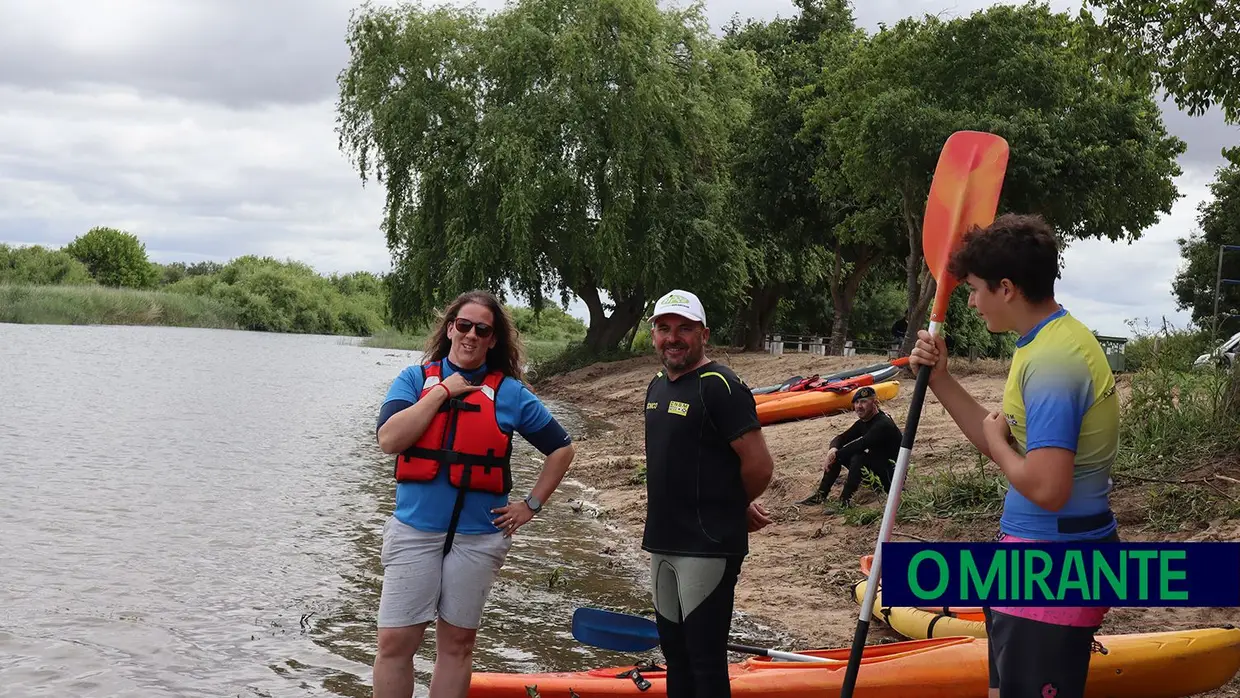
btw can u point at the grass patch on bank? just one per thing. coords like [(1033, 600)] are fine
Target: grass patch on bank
[(544, 336), (572, 356), (394, 339), (1180, 448), (964, 494), (101, 305)]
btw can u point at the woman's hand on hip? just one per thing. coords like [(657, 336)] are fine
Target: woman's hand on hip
[(512, 517)]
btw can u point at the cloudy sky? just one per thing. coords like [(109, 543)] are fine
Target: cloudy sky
[(206, 128)]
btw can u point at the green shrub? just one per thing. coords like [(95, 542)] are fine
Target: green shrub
[(114, 258), (38, 266), (1169, 348)]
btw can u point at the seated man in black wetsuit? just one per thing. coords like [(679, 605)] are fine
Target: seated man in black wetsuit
[(871, 443)]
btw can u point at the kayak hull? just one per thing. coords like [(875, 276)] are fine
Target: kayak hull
[(972, 613), (1152, 665), (1174, 663), (838, 375), (835, 385), (919, 623), (809, 404), (758, 676)]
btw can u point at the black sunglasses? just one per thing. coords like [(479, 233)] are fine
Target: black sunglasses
[(481, 329)]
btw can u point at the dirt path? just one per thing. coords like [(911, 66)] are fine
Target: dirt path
[(799, 575)]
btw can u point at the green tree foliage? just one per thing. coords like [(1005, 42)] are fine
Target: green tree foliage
[(114, 258), (967, 333), (574, 145), (800, 241), (38, 266), (1089, 151), (249, 292), (550, 324), (1186, 47), (1219, 221)]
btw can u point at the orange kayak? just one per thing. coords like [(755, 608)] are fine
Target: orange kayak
[(1151, 665), (841, 385), (804, 405)]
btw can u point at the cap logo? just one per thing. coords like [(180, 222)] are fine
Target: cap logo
[(675, 300)]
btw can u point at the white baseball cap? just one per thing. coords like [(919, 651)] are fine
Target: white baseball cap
[(682, 303)]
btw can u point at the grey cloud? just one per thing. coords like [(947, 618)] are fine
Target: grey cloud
[(206, 128), (1205, 135), (238, 53), (1107, 283)]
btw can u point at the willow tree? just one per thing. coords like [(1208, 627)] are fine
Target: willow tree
[(1088, 148), (788, 221), (578, 146)]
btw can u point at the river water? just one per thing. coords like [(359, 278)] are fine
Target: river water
[(189, 512)]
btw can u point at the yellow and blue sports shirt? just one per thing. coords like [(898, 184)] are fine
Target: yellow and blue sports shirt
[(1060, 393)]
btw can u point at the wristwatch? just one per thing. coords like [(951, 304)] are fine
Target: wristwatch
[(532, 502)]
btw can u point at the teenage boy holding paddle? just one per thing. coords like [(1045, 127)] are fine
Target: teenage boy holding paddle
[(1055, 440)]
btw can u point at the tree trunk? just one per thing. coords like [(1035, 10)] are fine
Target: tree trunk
[(921, 283), (918, 312), (740, 326), (764, 305), (844, 296), (606, 333), (753, 320)]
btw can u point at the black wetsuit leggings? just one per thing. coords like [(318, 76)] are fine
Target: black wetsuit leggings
[(693, 609), (876, 464)]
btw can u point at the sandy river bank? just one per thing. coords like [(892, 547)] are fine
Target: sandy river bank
[(799, 575)]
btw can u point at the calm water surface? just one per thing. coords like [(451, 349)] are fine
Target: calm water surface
[(189, 512)]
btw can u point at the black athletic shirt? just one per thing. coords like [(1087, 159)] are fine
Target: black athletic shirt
[(696, 499), (880, 435)]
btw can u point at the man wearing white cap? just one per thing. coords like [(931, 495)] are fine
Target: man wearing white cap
[(706, 464)]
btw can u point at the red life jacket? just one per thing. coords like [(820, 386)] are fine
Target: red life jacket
[(465, 436)]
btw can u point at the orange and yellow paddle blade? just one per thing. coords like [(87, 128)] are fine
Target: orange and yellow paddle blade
[(964, 193)]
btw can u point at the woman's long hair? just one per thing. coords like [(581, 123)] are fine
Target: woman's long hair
[(507, 356)]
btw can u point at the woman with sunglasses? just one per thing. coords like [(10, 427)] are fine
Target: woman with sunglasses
[(450, 422)]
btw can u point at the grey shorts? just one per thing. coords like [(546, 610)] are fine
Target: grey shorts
[(418, 582)]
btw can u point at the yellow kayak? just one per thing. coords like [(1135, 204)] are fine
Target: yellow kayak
[(920, 623), (1173, 663), (925, 622)]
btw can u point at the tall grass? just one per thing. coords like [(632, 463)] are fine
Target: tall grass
[(1175, 420), (964, 493), (1181, 427), (570, 356), (543, 336), (101, 305)]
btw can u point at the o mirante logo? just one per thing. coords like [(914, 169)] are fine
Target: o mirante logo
[(1061, 574)]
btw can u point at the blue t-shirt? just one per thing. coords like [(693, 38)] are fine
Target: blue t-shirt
[(428, 505)]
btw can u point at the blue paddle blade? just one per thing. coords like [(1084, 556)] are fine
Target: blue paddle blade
[(614, 631)]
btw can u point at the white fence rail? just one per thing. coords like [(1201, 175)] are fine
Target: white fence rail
[(778, 344)]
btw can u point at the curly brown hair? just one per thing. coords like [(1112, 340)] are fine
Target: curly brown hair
[(508, 354), (1019, 247)]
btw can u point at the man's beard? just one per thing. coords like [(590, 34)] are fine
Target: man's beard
[(690, 357)]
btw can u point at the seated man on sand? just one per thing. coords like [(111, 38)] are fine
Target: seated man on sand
[(871, 443)]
